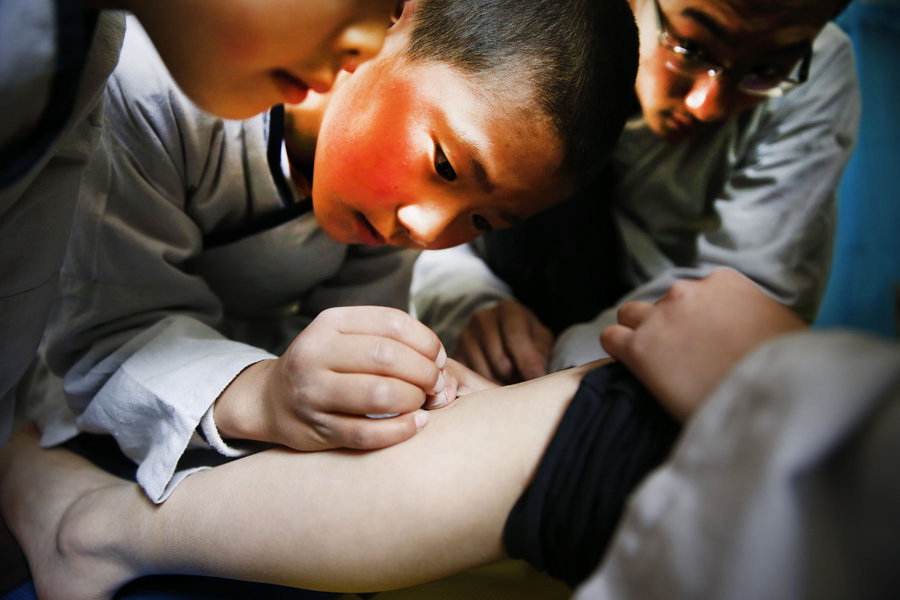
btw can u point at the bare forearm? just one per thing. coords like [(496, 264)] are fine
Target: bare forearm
[(420, 510)]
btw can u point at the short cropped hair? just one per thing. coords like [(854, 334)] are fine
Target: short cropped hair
[(579, 56)]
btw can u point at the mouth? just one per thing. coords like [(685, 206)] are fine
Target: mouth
[(366, 232), (679, 125), (292, 88)]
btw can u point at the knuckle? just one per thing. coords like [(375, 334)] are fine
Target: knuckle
[(329, 315), (680, 289), (363, 437), (394, 322), (503, 366), (383, 352), (381, 397)]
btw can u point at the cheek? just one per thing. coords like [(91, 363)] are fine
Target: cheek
[(656, 84), (367, 170)]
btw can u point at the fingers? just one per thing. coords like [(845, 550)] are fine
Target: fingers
[(373, 339), (465, 380), (361, 394), (480, 347), (632, 314), (386, 322), (505, 343), (615, 339), (527, 341), (362, 433), (386, 357)]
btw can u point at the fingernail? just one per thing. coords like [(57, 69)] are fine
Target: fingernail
[(421, 417), (441, 358), (440, 385)]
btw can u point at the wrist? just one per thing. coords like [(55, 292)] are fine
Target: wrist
[(238, 409)]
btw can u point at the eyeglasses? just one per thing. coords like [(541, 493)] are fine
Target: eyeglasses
[(770, 82)]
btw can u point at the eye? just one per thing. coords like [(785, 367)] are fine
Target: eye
[(441, 165), (689, 51), (481, 224), (769, 73)]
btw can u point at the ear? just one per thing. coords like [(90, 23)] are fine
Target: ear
[(403, 11)]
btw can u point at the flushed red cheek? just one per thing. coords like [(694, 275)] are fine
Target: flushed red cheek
[(370, 157), (376, 175)]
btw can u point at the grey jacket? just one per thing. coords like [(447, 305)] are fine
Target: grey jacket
[(41, 161), (168, 290), (783, 486)]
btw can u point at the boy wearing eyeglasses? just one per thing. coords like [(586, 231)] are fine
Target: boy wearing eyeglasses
[(747, 116)]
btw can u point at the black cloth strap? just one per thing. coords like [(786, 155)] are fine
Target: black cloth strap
[(290, 210), (612, 435)]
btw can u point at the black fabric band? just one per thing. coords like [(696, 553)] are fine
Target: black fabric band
[(613, 433), (290, 209)]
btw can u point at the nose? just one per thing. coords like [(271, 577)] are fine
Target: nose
[(321, 77), (708, 98), (354, 45), (359, 42), (425, 224)]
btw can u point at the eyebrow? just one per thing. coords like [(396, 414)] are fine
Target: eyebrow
[(718, 31), (481, 175), (707, 21)]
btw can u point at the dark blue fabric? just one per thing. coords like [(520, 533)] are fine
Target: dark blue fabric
[(74, 33), (23, 592), (612, 434), (183, 587), (864, 289)]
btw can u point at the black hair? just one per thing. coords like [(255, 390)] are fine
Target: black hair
[(580, 58)]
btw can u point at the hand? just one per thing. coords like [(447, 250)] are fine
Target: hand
[(460, 381), (682, 346), (506, 343), (348, 363)]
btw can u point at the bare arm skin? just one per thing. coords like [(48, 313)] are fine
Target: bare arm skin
[(343, 520)]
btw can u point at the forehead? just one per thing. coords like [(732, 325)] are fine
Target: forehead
[(754, 25), (494, 119)]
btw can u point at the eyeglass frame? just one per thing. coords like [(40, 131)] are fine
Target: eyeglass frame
[(665, 39)]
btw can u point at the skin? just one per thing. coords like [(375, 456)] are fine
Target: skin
[(683, 345), (380, 147), (86, 533), (735, 34), (395, 159), (240, 57)]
